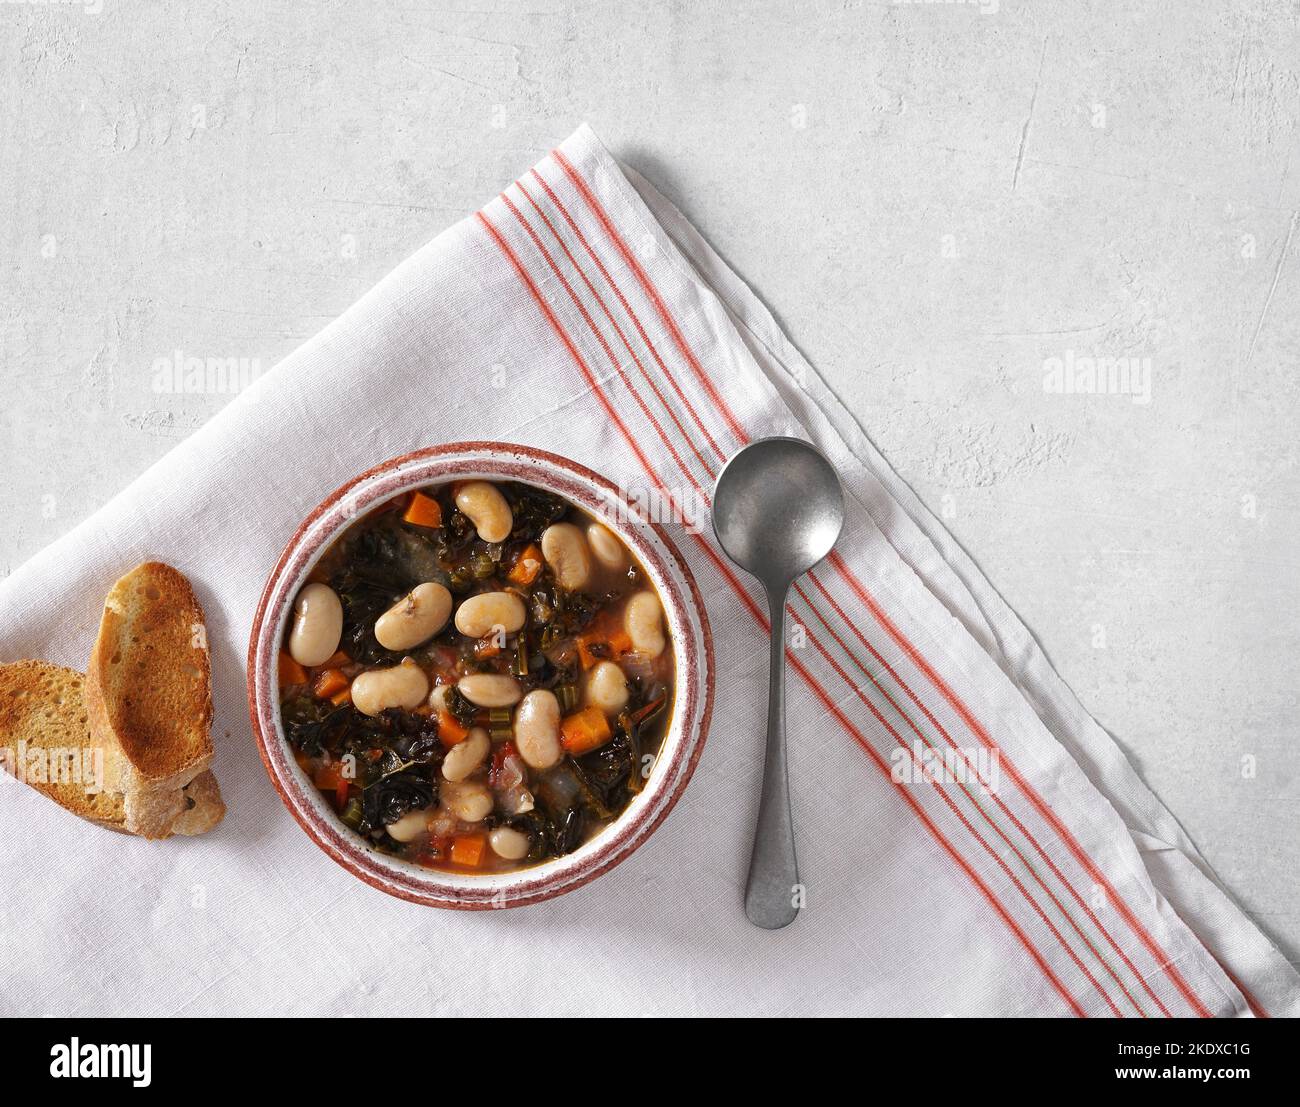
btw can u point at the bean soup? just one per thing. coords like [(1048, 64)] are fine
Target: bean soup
[(477, 676)]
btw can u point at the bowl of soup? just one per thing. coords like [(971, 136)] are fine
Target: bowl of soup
[(479, 677)]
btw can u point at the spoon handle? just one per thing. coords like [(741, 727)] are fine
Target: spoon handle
[(770, 894)]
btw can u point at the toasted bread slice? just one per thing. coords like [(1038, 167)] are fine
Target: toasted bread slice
[(45, 741), (149, 693)]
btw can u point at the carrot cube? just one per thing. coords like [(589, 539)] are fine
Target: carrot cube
[(423, 511), (615, 642), (450, 731), (329, 684), (527, 566), (289, 671), (584, 731), (468, 850)]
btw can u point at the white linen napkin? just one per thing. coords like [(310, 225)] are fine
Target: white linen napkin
[(579, 312)]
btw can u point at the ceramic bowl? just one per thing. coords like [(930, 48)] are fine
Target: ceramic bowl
[(685, 618)]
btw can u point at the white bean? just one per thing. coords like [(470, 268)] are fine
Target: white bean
[(509, 843), (415, 618), (565, 550), (317, 625), (403, 685), (479, 615), (537, 729), (464, 757), (490, 689), (470, 803), (607, 687), (607, 549), (409, 827), (438, 698), (643, 621), (487, 510)]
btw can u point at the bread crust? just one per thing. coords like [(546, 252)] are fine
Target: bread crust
[(204, 809)]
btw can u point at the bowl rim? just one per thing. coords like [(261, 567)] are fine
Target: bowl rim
[(694, 664)]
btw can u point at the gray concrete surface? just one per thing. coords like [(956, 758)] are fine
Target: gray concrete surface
[(936, 199)]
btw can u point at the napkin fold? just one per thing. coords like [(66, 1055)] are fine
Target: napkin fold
[(971, 841)]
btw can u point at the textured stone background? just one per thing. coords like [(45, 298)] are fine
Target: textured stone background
[(934, 198)]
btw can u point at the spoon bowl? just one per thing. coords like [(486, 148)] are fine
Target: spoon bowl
[(777, 511)]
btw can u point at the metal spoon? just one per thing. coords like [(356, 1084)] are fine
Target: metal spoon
[(777, 511)]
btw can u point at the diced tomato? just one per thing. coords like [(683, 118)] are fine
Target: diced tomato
[(499, 758), (444, 668), (330, 778)]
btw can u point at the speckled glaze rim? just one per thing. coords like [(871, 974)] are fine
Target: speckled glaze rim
[(685, 616)]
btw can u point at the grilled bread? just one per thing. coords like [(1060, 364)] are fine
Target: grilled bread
[(128, 745), (148, 689), (45, 741)]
